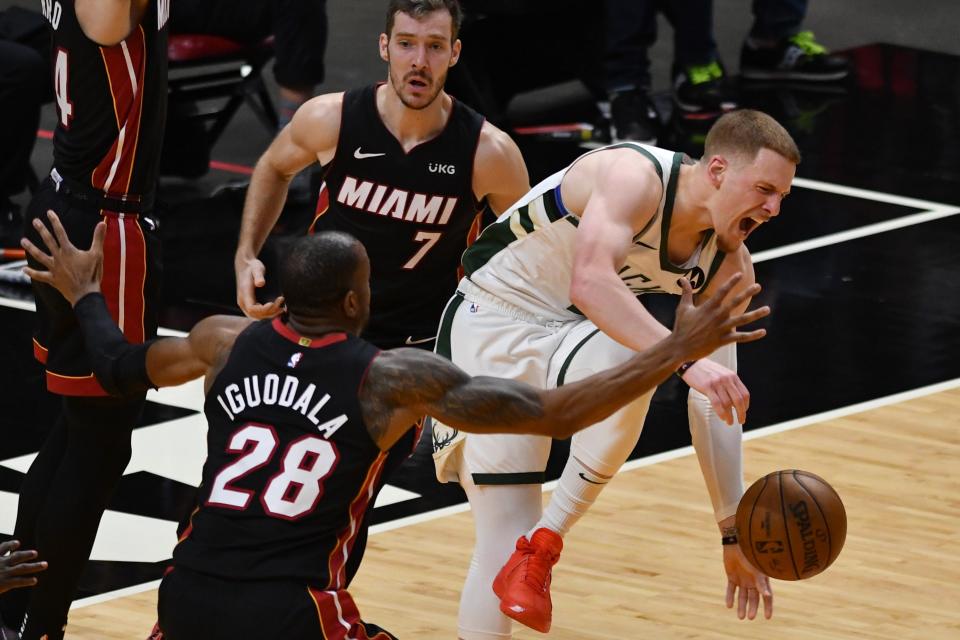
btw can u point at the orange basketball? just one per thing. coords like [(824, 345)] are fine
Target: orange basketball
[(791, 524)]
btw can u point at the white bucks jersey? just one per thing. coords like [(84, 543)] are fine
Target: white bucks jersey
[(525, 258)]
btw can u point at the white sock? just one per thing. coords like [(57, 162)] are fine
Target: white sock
[(596, 453), (578, 488)]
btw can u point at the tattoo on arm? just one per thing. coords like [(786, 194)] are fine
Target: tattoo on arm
[(413, 379)]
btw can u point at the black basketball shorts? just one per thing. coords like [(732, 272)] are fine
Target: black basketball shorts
[(195, 606), (131, 286)]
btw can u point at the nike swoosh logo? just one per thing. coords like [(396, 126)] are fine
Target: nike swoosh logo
[(359, 155), (410, 340), (586, 479)]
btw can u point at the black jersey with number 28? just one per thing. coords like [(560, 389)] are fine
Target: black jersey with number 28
[(291, 468), (414, 211)]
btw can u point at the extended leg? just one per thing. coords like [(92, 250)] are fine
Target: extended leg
[(501, 514)]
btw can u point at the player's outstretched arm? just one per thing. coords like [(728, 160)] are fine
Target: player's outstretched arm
[(716, 378), (405, 384), (15, 570), (311, 136), (122, 368)]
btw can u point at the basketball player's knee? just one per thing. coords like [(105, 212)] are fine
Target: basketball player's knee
[(603, 447), (601, 353), (507, 512)]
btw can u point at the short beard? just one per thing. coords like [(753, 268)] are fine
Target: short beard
[(442, 80)]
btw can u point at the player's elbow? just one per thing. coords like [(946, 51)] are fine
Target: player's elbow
[(583, 289), (559, 419), (269, 168), (565, 428), (552, 426), (577, 292)]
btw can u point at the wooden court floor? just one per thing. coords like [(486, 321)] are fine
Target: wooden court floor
[(646, 561)]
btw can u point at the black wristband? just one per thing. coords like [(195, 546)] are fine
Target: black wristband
[(120, 367), (728, 536), (684, 367)]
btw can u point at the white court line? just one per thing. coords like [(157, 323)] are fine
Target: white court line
[(867, 194), (113, 595), (931, 211), (25, 305), (853, 234), (30, 305), (628, 466)]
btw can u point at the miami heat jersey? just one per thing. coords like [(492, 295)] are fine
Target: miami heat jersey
[(413, 211), (111, 101), (291, 468)]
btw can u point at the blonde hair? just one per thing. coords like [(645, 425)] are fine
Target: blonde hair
[(744, 132)]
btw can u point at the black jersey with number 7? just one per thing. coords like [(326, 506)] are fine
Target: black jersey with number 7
[(414, 211)]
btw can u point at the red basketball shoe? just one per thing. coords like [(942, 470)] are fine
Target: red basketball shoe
[(523, 584)]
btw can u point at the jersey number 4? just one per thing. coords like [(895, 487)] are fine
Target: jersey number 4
[(64, 106), (289, 494)]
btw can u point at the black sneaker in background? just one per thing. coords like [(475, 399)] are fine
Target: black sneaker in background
[(703, 89), (799, 57), (634, 117)]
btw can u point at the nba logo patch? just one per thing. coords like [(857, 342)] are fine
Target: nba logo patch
[(295, 360)]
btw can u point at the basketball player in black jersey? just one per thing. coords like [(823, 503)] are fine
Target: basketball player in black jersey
[(407, 170), (302, 415), (109, 63)]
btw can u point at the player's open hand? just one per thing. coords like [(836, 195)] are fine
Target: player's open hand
[(746, 585), (15, 571), (722, 387), (250, 277), (705, 328), (72, 271)]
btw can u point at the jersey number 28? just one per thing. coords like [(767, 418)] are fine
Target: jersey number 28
[(289, 494)]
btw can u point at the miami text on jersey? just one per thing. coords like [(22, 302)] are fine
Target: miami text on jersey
[(379, 199)]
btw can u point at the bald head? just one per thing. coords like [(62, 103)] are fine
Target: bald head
[(317, 271)]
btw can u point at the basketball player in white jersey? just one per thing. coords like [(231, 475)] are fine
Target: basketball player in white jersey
[(550, 295)]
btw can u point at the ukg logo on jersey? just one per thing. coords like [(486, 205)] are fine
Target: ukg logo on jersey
[(436, 167)]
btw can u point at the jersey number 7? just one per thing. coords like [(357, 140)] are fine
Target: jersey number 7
[(428, 237)]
